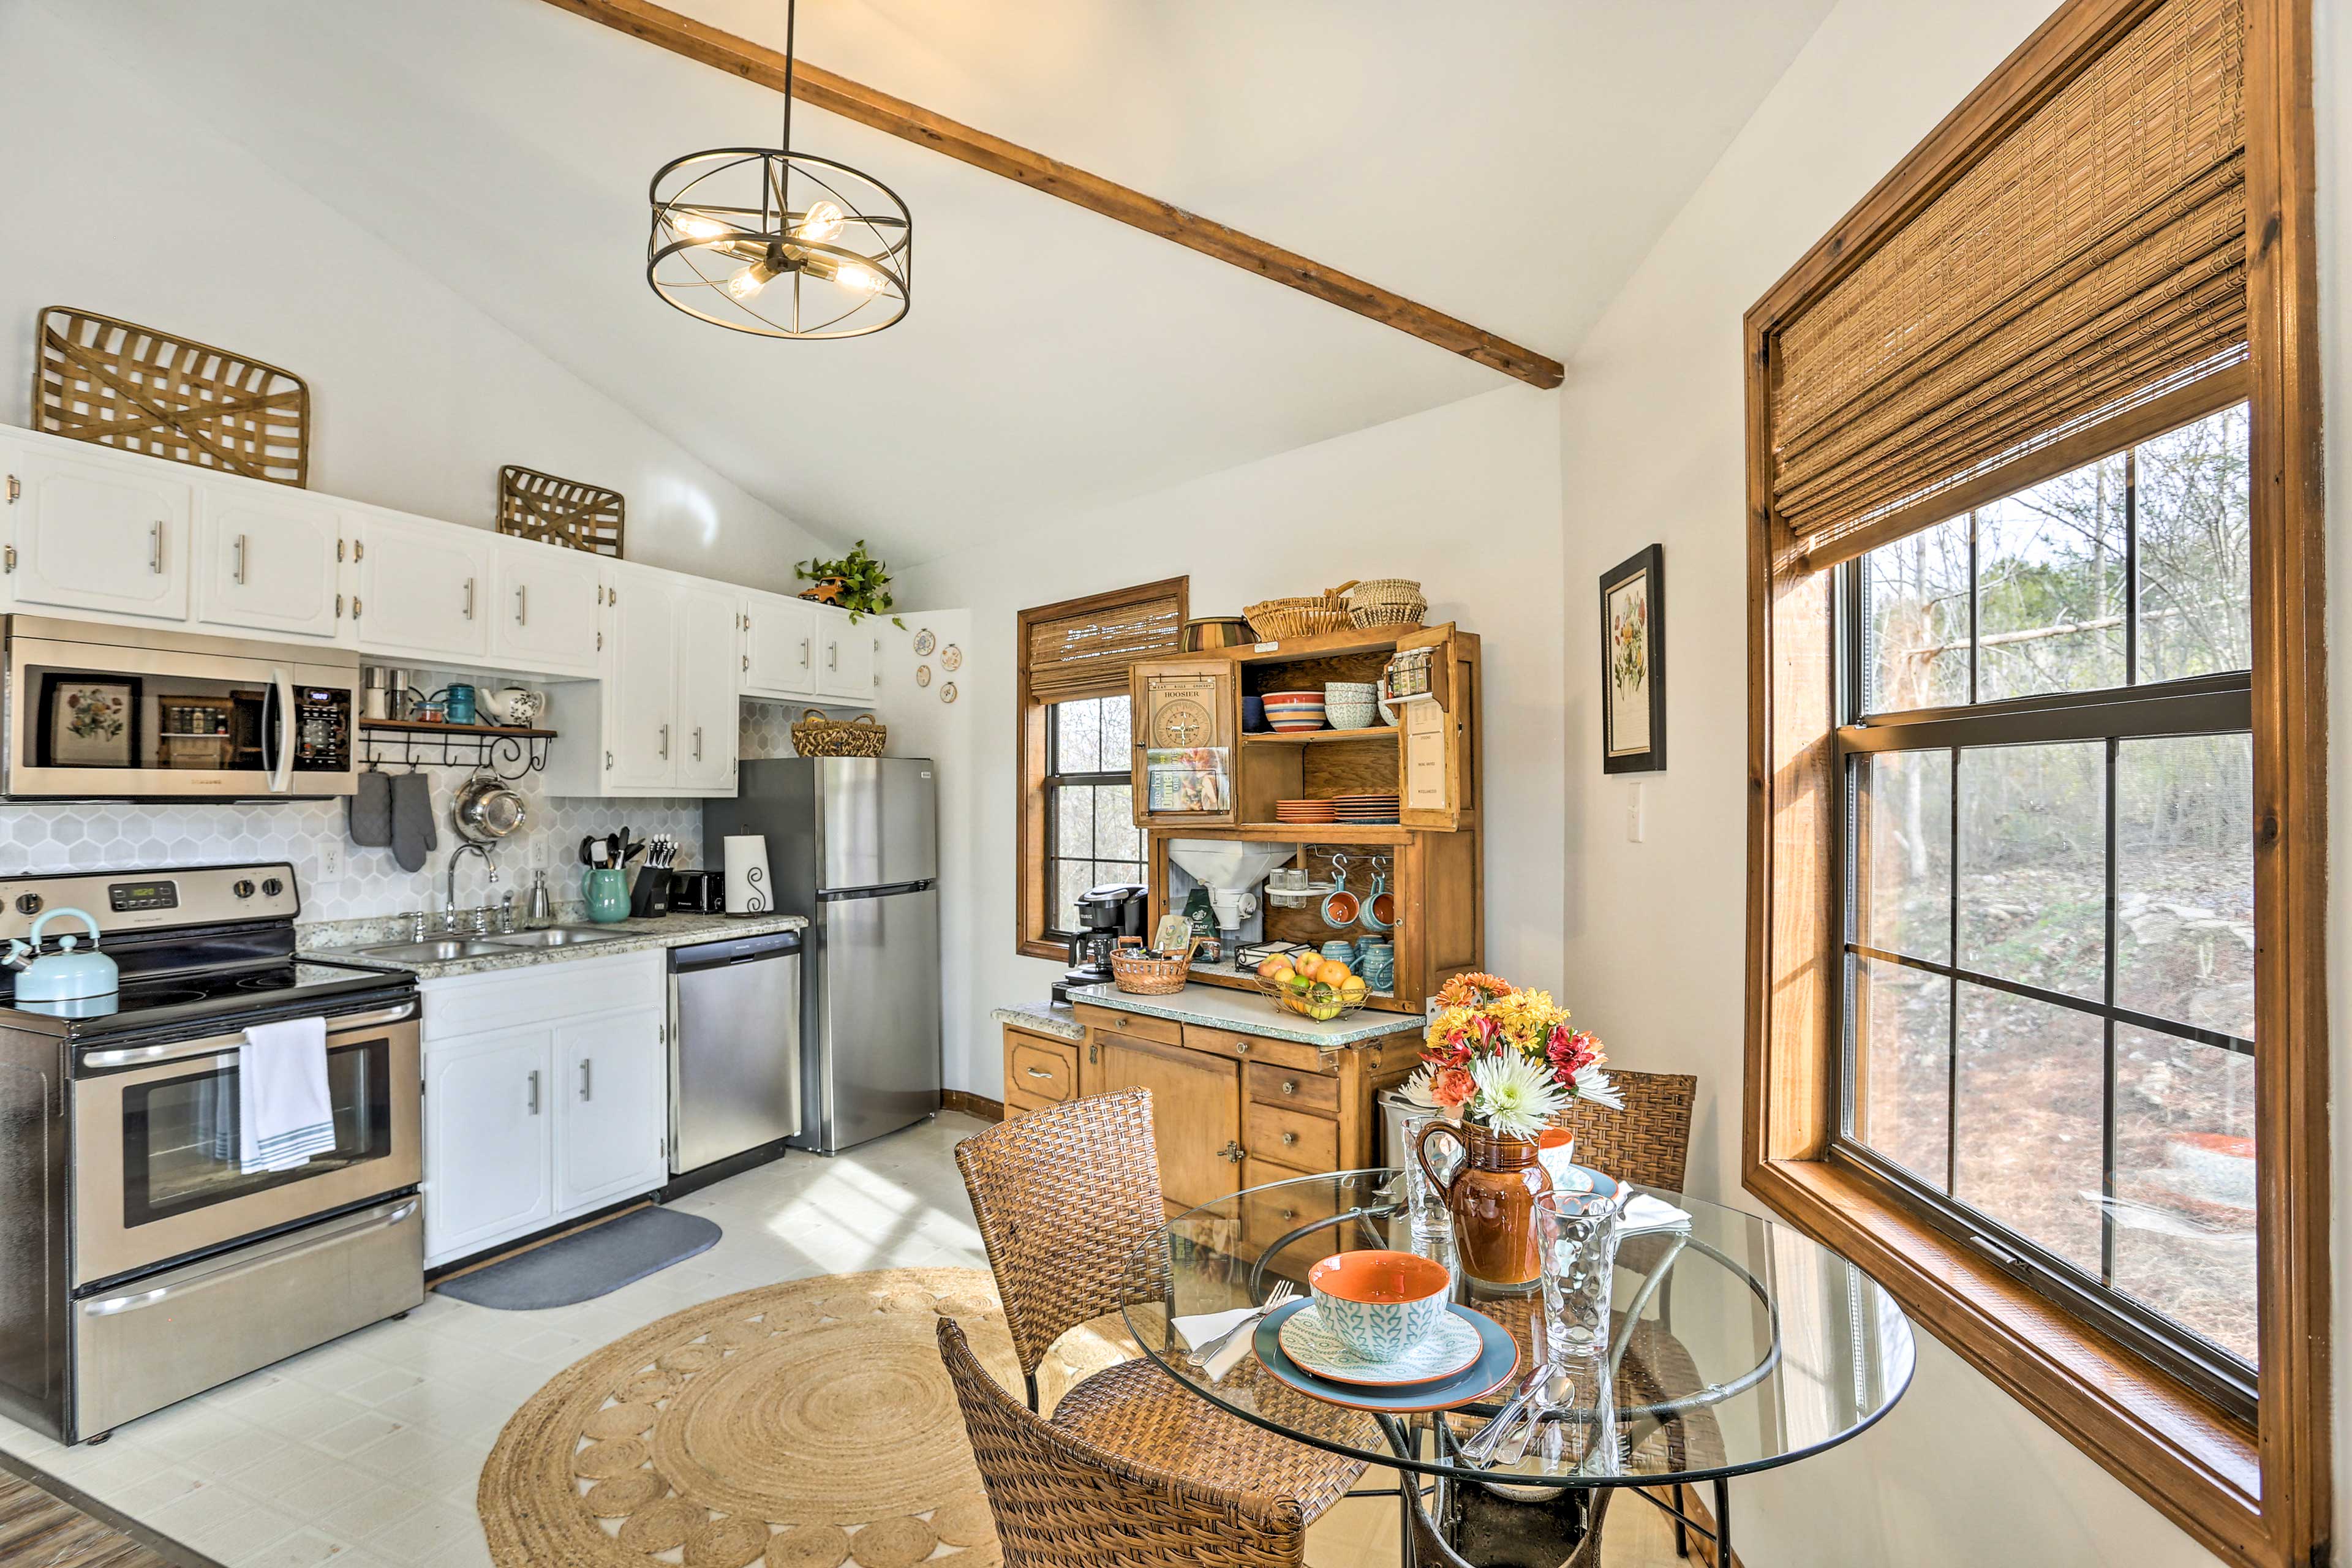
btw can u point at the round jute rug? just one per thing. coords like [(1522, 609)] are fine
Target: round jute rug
[(807, 1424)]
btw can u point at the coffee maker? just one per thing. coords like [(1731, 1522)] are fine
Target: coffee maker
[(1105, 914)]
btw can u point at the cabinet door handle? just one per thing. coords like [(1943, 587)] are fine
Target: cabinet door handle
[(1290, 1086), (533, 1076), (1288, 1138), (665, 743), (833, 656), (1036, 1072), (1241, 1047), (522, 607), (240, 561), (469, 598), (747, 663), (587, 1090), (804, 651), (155, 548), (1233, 1152), (698, 743)]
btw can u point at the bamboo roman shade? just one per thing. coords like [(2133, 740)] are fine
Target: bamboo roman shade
[(1085, 653), (2090, 262)]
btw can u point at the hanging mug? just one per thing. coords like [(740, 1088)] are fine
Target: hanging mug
[(1340, 907), (1380, 904)]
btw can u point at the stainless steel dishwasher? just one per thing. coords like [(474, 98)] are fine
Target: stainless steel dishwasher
[(734, 1046)]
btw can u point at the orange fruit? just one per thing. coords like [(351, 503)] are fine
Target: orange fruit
[(1331, 972)]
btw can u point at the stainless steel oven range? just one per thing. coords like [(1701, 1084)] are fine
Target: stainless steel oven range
[(140, 1262)]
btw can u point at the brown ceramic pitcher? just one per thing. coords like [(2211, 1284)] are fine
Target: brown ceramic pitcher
[(1491, 1200)]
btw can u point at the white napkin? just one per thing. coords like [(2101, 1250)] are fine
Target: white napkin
[(1200, 1327), (1643, 1212)]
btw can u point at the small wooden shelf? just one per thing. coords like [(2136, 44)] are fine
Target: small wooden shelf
[(1303, 832), (511, 754), (1323, 737)]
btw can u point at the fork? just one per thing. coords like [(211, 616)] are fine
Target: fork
[(1281, 1295)]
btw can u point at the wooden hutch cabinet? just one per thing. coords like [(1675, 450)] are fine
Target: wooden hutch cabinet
[(1199, 775)]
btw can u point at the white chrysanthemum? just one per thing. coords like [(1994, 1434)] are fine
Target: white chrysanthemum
[(1516, 1096), (1416, 1089), (1593, 1084)]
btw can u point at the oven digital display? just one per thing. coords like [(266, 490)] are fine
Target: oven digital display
[(126, 897)]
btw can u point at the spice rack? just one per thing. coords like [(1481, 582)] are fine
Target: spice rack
[(510, 753)]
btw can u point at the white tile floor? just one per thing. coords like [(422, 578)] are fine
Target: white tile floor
[(365, 1452)]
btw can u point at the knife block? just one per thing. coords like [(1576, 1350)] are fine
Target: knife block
[(650, 896)]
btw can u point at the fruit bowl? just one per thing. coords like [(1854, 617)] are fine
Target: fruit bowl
[(1317, 1001)]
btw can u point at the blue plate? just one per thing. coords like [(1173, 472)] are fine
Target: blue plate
[(1585, 1179), (1498, 1359)]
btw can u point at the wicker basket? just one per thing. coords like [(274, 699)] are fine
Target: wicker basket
[(818, 736), (1143, 976), (1305, 617), (1387, 602)]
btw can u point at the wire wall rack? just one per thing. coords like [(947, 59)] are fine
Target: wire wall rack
[(511, 754)]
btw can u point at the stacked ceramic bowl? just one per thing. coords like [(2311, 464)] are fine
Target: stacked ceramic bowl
[(1348, 705), (1292, 712)]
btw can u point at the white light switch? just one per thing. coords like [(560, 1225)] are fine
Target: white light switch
[(330, 859), (1633, 825)]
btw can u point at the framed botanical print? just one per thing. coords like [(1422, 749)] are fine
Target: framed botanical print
[(1634, 664), (89, 721)]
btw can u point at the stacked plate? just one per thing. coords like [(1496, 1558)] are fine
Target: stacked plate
[(1304, 811), (1292, 712), (1364, 808)]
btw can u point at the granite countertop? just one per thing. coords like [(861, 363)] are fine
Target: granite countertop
[(1055, 1018), (1248, 1013), (344, 945)]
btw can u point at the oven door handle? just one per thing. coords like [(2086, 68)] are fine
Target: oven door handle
[(213, 1044), (281, 777), (383, 1217)]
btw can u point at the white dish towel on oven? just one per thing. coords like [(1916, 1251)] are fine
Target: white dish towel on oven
[(283, 1114)]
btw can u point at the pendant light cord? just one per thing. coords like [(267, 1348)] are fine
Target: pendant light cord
[(791, 10)]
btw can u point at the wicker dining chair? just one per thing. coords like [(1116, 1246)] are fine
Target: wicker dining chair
[(1067, 1200), (1060, 1501), (1647, 1143)]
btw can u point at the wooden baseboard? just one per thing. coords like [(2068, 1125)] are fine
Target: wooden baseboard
[(971, 1105)]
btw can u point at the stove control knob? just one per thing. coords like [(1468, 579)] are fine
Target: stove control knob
[(244, 890), (28, 903), (273, 887)]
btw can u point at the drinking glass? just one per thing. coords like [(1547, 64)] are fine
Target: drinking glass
[(1576, 1236), (1425, 1203)]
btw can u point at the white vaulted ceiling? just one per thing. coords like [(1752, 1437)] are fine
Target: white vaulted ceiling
[(1508, 162)]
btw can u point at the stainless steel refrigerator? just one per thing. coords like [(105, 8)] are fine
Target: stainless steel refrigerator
[(853, 842)]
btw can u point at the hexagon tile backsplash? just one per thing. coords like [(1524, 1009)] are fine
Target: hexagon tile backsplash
[(103, 836), (114, 836)]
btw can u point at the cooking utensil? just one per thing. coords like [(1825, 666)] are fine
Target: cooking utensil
[(485, 810), (64, 975)]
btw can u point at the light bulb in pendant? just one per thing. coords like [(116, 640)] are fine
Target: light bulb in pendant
[(699, 227), (822, 223), (752, 279)]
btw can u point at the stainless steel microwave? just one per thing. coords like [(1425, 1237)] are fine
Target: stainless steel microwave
[(103, 713)]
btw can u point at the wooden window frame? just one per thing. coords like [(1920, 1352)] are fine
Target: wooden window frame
[(1033, 900), (2258, 1494)]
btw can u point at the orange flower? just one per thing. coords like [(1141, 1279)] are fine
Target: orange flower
[(1453, 1087)]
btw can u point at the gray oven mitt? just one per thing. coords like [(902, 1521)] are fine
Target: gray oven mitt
[(370, 811), (412, 820)]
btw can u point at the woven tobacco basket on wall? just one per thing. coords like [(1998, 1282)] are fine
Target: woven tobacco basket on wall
[(118, 384), (532, 505)]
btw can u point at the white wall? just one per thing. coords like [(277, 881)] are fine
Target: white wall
[(121, 206), (1653, 435), (1465, 498)]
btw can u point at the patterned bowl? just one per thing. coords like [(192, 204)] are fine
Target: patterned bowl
[(1379, 1304)]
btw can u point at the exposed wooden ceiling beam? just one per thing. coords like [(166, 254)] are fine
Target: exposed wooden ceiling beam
[(821, 89)]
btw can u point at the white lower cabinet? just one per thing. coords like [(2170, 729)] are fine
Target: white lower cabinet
[(546, 1095)]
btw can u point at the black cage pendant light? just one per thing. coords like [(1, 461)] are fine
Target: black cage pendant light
[(778, 243)]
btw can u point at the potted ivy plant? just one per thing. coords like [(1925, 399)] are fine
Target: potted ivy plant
[(857, 582)]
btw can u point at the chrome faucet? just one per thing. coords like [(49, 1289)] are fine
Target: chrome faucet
[(449, 896)]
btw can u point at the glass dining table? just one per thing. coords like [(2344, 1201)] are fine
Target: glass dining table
[(1736, 1345)]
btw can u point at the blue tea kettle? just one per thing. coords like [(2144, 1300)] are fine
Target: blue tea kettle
[(64, 975)]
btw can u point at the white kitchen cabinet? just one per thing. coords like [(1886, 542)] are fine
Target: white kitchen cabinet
[(851, 656), (105, 533), (549, 607), (424, 588), (640, 681), (546, 1096), (271, 558), (779, 647), (708, 724), (612, 1138), (489, 1140)]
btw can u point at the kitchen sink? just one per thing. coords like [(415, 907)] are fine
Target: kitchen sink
[(440, 951), (556, 936)]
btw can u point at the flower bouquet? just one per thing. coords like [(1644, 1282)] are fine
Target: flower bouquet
[(1500, 1065)]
